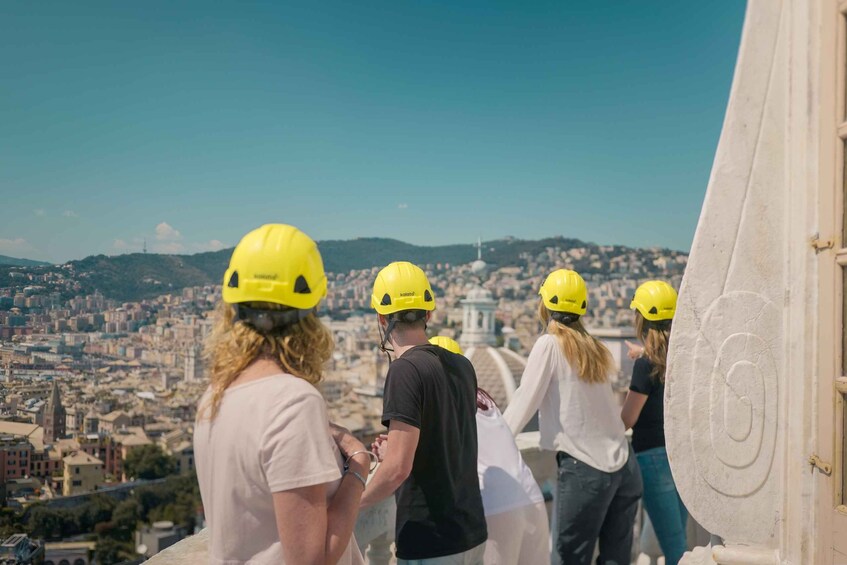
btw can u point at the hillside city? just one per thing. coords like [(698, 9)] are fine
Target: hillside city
[(98, 396)]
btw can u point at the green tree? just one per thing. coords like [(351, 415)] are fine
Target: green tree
[(97, 510), (125, 519), (46, 523), (10, 522), (109, 551), (148, 462)]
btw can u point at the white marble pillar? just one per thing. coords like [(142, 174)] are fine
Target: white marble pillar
[(737, 398)]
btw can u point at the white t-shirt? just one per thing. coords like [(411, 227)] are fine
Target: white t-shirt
[(269, 435), (574, 416), (505, 481)]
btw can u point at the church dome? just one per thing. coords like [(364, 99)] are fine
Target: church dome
[(479, 267), (498, 371)]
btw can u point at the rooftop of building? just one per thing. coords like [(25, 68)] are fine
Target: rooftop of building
[(131, 436), (32, 432), (81, 458), (111, 417)]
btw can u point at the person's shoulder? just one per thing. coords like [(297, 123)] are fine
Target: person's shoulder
[(461, 360), (643, 365), (642, 379), (287, 388), (408, 364), (546, 342), (463, 365), (207, 394)]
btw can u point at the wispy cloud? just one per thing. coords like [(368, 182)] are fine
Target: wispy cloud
[(403, 206), (169, 247), (70, 214), (39, 211), (211, 245), (166, 232), (166, 239)]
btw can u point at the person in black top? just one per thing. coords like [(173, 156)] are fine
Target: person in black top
[(429, 408), (643, 411)]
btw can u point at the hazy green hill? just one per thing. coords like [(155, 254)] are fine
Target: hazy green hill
[(367, 252), (138, 275), (13, 261)]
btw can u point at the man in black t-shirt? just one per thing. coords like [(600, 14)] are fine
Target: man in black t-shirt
[(430, 411)]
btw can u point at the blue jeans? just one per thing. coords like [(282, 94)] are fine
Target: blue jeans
[(596, 506), (662, 502)]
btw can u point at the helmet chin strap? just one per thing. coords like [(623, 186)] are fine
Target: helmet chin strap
[(408, 316), (384, 345)]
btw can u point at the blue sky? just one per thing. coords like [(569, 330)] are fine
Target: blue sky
[(188, 124)]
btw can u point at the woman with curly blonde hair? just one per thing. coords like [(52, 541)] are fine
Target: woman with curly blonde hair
[(279, 483)]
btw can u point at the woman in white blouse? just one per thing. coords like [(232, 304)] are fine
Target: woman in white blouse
[(567, 381), (279, 485)]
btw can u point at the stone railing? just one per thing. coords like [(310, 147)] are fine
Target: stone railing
[(375, 527)]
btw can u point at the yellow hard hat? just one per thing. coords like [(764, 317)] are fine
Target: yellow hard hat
[(656, 300), (447, 343), (565, 291), (401, 286), (276, 263)]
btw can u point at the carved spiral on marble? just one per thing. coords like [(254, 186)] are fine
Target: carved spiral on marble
[(736, 378)]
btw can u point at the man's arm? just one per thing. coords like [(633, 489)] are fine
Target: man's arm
[(397, 465)]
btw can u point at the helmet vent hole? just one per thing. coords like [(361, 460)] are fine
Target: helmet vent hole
[(653, 310), (427, 296), (554, 300), (584, 304), (386, 300), (233, 280), (301, 286)]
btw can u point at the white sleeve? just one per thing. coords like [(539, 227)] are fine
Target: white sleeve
[(296, 449), (534, 384)]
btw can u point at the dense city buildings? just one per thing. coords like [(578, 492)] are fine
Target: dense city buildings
[(90, 385)]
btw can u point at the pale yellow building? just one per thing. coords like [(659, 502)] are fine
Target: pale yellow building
[(183, 454), (82, 473), (114, 421), (128, 439), (179, 444)]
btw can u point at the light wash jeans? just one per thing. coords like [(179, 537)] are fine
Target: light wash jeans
[(470, 557), (662, 503)]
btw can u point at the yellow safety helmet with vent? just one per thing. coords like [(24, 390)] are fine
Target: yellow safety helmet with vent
[(402, 286), (276, 263), (447, 343), (565, 291), (656, 300)]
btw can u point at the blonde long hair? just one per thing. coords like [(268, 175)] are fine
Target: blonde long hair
[(655, 339), (301, 349), (590, 358)]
